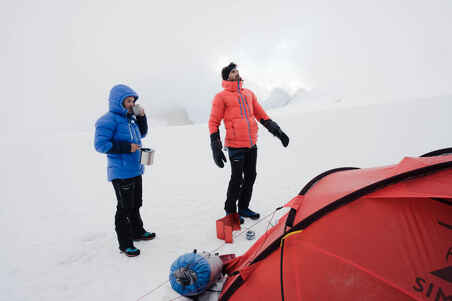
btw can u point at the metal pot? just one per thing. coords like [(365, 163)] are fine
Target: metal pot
[(147, 156)]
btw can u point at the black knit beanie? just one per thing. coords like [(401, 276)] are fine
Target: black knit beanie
[(226, 70)]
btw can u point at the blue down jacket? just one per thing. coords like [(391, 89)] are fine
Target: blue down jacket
[(115, 131)]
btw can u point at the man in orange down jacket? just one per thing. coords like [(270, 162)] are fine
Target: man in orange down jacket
[(239, 109)]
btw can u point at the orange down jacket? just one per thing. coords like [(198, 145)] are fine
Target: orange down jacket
[(239, 109)]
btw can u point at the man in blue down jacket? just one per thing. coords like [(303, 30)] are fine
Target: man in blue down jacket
[(118, 134)]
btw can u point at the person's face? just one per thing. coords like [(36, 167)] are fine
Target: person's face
[(234, 75), (128, 103)]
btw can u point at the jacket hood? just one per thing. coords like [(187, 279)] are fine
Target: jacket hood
[(232, 86), (117, 95)]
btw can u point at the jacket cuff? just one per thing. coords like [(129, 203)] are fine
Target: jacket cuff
[(265, 122), (140, 118), (215, 136), (120, 147)]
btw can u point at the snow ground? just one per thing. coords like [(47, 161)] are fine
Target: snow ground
[(57, 219)]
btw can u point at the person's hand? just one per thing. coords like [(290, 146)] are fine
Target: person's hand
[(218, 155), (134, 147), (138, 110), (274, 128), (284, 138)]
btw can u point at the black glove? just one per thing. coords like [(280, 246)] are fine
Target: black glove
[(274, 128), (215, 144)]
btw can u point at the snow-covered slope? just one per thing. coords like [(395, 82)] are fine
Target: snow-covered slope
[(56, 218)]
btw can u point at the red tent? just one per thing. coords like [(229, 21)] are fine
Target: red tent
[(357, 234)]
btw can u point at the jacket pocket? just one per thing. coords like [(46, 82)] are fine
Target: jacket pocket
[(131, 160), (241, 130)]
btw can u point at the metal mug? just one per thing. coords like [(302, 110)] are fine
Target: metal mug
[(250, 234), (147, 156)]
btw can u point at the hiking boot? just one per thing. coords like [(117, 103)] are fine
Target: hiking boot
[(249, 213), (145, 236), (131, 252)]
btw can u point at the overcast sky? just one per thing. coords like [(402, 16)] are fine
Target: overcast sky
[(59, 59)]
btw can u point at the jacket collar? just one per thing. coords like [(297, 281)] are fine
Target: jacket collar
[(232, 86)]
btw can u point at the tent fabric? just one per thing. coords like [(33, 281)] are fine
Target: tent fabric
[(439, 152), (368, 234)]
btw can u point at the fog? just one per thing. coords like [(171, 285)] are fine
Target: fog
[(60, 58)]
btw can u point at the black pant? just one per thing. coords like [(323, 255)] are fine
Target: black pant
[(128, 222), (243, 175)]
